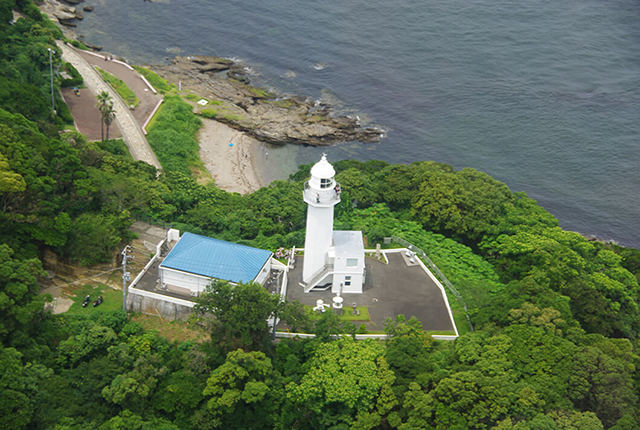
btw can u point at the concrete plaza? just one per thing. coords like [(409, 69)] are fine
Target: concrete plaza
[(400, 287)]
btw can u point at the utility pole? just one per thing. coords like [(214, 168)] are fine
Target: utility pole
[(53, 108), (127, 254), (275, 316)]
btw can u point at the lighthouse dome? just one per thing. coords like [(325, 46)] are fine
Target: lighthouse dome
[(322, 174)]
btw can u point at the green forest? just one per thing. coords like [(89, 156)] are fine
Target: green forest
[(555, 316)]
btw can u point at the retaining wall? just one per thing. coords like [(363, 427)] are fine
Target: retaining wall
[(148, 303)]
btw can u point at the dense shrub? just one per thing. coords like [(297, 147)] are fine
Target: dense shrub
[(75, 80)]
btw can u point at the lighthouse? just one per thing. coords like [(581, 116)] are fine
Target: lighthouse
[(334, 258), (321, 194)]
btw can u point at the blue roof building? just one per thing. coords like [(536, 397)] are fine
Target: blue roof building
[(195, 260)]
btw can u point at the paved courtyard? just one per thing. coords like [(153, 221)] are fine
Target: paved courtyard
[(401, 287)]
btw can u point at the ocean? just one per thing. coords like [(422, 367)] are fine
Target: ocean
[(542, 95)]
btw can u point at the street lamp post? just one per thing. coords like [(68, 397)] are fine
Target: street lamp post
[(53, 108)]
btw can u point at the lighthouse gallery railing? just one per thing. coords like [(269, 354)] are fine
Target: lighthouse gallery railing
[(326, 196)]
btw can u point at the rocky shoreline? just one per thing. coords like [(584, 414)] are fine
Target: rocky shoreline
[(265, 116), (226, 84), (64, 12)]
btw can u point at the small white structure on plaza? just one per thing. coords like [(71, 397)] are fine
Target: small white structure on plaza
[(330, 257), (197, 260)]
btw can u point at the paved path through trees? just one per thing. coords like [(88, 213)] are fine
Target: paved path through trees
[(132, 133)]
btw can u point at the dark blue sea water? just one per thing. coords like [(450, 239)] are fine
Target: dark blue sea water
[(543, 95)]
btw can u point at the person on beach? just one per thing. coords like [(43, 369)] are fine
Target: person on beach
[(317, 198)]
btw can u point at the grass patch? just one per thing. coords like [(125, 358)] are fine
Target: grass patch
[(156, 81), (121, 88), (459, 316), (209, 113), (152, 121), (314, 118), (202, 175), (218, 114), (172, 136), (175, 331), (260, 93), (196, 98), (77, 44), (346, 313), (214, 114), (112, 299), (287, 104), (231, 117), (75, 80)]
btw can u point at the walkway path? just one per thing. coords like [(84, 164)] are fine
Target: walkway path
[(133, 80), (132, 133)]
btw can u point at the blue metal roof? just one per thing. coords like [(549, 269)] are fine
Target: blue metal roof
[(216, 258)]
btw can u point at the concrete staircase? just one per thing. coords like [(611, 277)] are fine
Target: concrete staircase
[(317, 277)]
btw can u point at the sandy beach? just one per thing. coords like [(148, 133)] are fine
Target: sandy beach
[(231, 157)]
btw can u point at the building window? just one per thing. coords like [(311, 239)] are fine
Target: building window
[(352, 262), (326, 183), (347, 281)]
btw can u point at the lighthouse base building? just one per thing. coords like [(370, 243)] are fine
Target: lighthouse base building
[(346, 256), (344, 268)]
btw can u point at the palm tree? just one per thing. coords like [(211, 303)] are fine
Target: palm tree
[(108, 115), (104, 99)]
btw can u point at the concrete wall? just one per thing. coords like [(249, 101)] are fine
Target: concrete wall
[(149, 303), (340, 278), (173, 235), (288, 335), (195, 283), (266, 269)]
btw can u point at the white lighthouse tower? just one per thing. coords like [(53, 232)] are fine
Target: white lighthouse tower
[(330, 257), (321, 194)]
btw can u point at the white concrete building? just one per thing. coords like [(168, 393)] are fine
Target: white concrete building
[(329, 257), (347, 254), (197, 260)]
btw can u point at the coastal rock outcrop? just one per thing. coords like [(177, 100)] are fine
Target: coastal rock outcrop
[(270, 117), (62, 12)]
